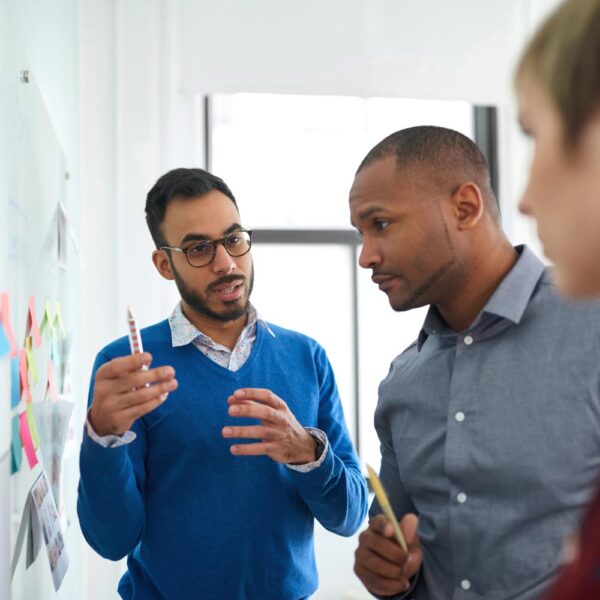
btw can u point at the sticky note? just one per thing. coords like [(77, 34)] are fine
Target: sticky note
[(58, 322), (31, 361), (5, 319), (15, 446), (32, 326), (15, 383), (32, 426), (4, 343), (47, 320), (24, 376), (26, 440)]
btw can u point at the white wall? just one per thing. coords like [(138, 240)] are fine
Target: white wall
[(461, 50)]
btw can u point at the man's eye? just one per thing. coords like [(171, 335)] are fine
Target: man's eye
[(233, 240), (380, 225), (200, 249)]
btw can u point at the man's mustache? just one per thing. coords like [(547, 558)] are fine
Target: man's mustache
[(225, 279)]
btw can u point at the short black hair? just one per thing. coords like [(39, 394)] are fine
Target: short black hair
[(445, 153), (179, 183)]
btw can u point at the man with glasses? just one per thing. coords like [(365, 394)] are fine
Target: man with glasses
[(208, 469)]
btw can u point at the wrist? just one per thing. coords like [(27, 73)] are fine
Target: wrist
[(310, 453), (96, 424)]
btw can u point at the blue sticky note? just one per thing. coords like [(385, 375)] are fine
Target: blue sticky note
[(17, 455), (4, 343), (15, 382)]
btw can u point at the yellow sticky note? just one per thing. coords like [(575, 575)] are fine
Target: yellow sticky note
[(58, 322), (31, 360), (32, 427), (47, 319)]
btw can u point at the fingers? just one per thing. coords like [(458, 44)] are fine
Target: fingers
[(258, 395), (258, 449), (117, 367), (379, 539), (381, 524), (250, 431), (136, 411), (409, 524), (123, 392), (144, 394), (255, 410), (380, 563), (108, 382)]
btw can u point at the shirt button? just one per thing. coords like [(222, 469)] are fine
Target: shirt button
[(468, 340), (460, 416), (465, 584), (461, 497)]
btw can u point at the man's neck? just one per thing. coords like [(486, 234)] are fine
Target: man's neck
[(480, 281), (225, 333)]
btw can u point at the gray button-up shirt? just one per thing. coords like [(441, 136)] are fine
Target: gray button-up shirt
[(492, 436)]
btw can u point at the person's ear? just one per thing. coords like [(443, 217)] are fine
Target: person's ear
[(162, 262), (467, 205)]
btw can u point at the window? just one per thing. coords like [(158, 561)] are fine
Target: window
[(290, 161)]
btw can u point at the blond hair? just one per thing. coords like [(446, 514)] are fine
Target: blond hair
[(564, 58)]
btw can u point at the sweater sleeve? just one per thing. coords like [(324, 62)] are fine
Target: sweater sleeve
[(110, 502), (336, 491)]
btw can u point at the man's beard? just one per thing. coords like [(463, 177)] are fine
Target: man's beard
[(197, 302)]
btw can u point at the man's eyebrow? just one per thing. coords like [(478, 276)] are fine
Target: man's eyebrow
[(199, 237), (370, 211)]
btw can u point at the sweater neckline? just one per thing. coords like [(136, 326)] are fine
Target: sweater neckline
[(224, 371)]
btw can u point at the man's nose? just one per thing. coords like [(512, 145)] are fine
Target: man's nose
[(369, 256), (223, 262)]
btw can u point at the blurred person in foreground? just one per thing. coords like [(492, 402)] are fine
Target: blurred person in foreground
[(558, 91)]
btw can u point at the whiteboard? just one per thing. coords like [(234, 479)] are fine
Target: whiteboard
[(33, 181)]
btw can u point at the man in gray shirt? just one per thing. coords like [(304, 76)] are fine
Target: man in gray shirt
[(490, 421)]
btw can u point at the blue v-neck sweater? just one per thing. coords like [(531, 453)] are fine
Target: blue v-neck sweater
[(196, 521)]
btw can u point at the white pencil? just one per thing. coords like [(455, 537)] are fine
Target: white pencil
[(135, 339)]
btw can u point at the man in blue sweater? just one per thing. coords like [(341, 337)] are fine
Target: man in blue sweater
[(206, 459)]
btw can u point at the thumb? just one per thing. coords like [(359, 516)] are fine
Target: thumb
[(409, 525)]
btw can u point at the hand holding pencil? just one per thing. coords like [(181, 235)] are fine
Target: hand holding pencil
[(125, 388), (389, 553)]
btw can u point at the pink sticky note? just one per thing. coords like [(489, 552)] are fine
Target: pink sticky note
[(5, 318), (24, 374), (32, 324), (51, 387), (26, 440)]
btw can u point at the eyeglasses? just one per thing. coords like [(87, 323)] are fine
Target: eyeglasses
[(202, 253)]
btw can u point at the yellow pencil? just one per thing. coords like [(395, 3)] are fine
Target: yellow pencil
[(385, 506)]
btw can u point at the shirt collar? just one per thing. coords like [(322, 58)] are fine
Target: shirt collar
[(509, 301), (183, 332)]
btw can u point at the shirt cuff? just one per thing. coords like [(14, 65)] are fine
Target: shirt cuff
[(109, 441), (322, 443)]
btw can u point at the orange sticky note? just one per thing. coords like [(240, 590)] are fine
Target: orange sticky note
[(26, 440), (32, 324), (24, 375)]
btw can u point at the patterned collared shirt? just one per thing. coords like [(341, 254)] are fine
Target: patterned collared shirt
[(183, 333)]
